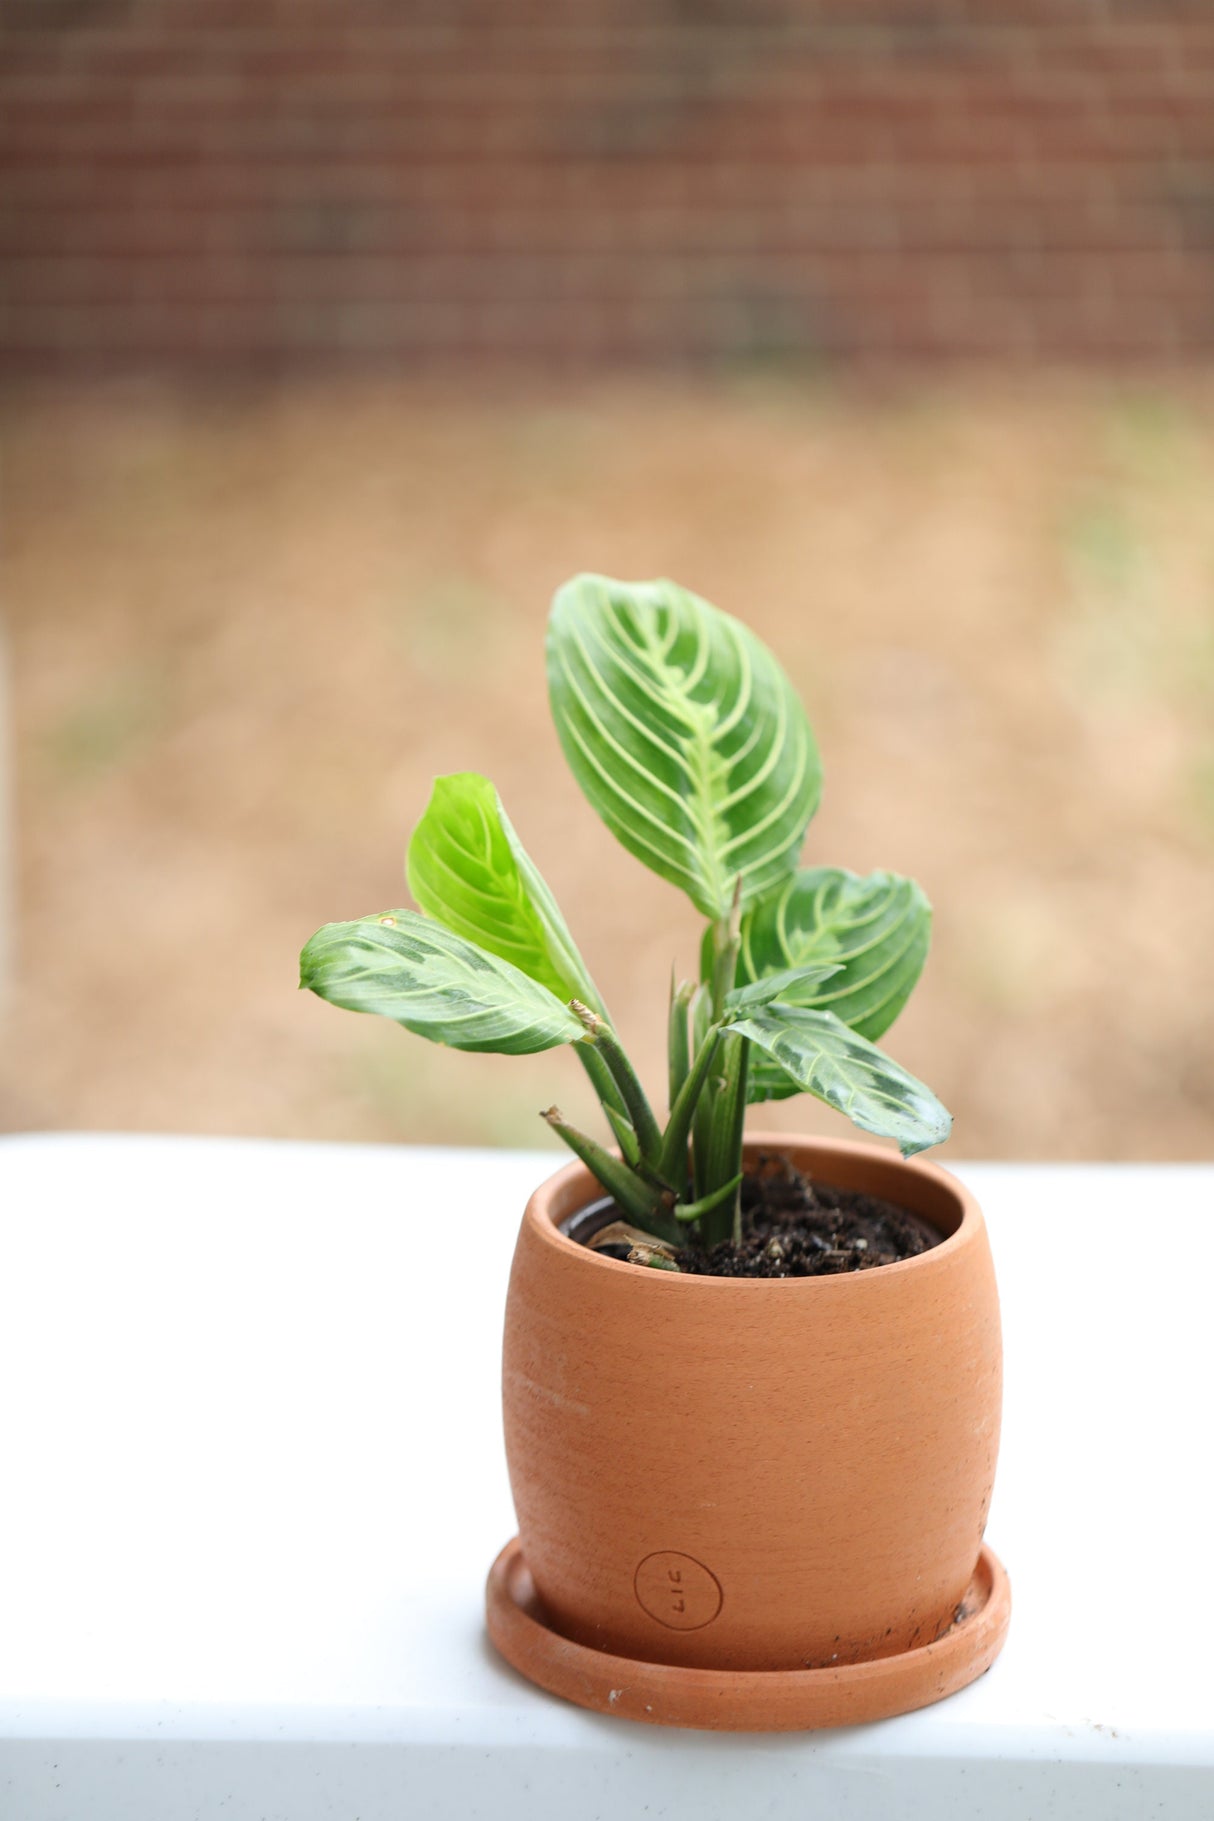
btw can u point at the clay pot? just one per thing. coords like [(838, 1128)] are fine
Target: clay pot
[(741, 1476)]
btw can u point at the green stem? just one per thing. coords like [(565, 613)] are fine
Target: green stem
[(672, 1166), (655, 1262), (625, 1137), (601, 1078), (636, 1105), (717, 1122), (678, 1042), (643, 1205), (702, 1115), (739, 1136), (719, 1134), (726, 942), (697, 1210)]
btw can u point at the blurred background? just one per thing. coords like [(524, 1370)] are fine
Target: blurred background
[(336, 335)]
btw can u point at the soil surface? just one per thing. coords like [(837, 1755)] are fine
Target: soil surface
[(796, 1227)]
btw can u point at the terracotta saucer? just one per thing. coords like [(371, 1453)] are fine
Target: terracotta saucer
[(790, 1700)]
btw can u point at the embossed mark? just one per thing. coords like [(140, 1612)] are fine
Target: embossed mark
[(677, 1591)]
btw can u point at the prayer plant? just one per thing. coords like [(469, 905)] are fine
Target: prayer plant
[(687, 738)]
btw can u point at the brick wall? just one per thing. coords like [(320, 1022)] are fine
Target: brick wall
[(263, 182)]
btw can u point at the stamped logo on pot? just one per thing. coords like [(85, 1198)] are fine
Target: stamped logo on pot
[(678, 1591)]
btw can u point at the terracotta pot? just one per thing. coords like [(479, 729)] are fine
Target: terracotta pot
[(783, 1475)]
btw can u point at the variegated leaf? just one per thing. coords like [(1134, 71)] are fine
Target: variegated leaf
[(406, 967), (795, 985), (685, 735), (468, 868), (824, 1057), (875, 930)]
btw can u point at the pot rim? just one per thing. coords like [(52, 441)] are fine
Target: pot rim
[(536, 1215)]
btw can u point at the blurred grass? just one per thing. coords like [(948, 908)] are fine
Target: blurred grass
[(248, 629), (113, 715)]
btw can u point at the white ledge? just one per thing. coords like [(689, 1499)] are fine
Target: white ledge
[(254, 1481)]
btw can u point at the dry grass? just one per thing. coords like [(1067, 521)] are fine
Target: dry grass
[(247, 631)]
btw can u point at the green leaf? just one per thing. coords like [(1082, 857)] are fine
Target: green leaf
[(684, 733), (796, 985), (874, 930), (824, 1057), (467, 868), (407, 967)]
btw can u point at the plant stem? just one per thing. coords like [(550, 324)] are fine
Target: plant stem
[(738, 1135), (678, 1043), (699, 1210), (645, 1206), (673, 1164), (600, 1034), (720, 1134), (625, 1137), (721, 1110), (726, 941), (702, 1116), (654, 1261), (601, 1078)]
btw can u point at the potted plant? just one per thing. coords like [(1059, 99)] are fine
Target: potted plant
[(751, 1386)]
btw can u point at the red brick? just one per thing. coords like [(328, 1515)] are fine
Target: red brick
[(211, 182)]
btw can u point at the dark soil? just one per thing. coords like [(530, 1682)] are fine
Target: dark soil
[(796, 1227)]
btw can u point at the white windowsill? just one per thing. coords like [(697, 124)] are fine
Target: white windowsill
[(254, 1480)]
